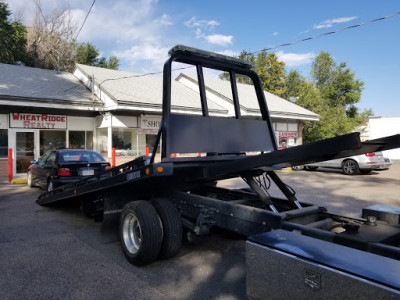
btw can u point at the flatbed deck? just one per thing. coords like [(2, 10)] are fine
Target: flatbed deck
[(153, 204)]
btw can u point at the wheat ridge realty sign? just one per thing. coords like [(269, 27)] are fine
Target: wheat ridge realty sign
[(37, 121)]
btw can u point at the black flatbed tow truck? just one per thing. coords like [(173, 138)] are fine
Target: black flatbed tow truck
[(293, 249)]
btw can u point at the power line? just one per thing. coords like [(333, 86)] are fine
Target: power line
[(265, 49), (84, 21), (142, 75), (327, 33)]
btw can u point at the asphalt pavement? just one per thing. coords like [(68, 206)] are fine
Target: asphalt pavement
[(58, 253)]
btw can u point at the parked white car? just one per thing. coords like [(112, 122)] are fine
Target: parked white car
[(363, 163)]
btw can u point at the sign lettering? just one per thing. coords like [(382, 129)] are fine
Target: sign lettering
[(287, 134), (150, 122), (37, 121)]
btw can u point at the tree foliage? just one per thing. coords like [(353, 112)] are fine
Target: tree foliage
[(271, 72), (48, 43), (268, 67), (294, 83), (12, 38), (87, 54), (332, 92), (50, 40)]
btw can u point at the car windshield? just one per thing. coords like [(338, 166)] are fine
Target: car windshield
[(80, 156)]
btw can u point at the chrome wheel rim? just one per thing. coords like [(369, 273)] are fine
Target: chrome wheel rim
[(50, 186), (349, 167), (132, 233)]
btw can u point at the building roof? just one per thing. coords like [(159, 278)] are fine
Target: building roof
[(139, 91), (20, 83), (33, 87), (278, 107)]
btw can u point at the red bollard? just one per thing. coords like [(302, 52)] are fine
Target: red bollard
[(113, 157), (10, 165), (147, 151)]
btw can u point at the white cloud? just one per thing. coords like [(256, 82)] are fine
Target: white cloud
[(275, 33), (229, 53), (165, 20), (331, 22), (154, 54), (219, 39), (200, 26), (295, 59)]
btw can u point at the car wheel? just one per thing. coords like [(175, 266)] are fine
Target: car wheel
[(29, 179), (141, 232), (50, 185), (350, 167), (297, 168), (172, 227)]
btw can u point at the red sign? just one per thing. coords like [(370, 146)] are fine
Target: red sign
[(147, 131), (41, 121), (287, 134)]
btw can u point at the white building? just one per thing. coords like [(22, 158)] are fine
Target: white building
[(381, 127), (101, 109)]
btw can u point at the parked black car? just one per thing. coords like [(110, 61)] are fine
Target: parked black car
[(59, 167)]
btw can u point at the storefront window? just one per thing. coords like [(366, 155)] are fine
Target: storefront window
[(89, 140), (102, 141), (3, 143), (77, 139), (150, 142), (81, 140), (50, 140), (128, 142)]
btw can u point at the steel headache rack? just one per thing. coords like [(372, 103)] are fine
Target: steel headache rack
[(293, 249)]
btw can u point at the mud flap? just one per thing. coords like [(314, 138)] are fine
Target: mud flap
[(110, 226), (113, 203)]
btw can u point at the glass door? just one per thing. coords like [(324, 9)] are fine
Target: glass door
[(24, 151)]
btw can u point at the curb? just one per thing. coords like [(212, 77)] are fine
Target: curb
[(19, 180)]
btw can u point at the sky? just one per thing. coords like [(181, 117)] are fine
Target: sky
[(140, 33)]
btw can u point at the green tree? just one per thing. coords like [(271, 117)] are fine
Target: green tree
[(270, 70), (113, 63), (87, 54), (12, 38), (321, 69), (332, 92), (294, 83), (240, 78)]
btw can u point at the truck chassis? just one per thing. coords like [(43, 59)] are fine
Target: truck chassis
[(154, 203)]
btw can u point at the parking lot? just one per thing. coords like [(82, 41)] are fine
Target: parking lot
[(54, 253)]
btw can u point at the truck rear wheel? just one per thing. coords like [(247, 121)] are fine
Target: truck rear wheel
[(172, 227), (140, 232)]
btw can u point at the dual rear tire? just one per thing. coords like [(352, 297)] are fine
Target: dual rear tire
[(150, 231)]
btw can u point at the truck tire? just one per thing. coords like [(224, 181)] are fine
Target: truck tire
[(350, 167), (140, 232), (172, 227)]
